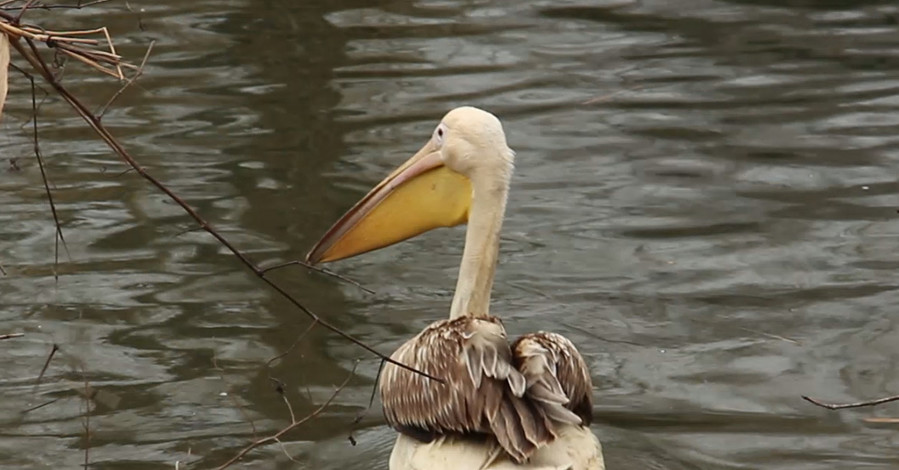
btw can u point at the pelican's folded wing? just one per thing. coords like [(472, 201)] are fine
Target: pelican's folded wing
[(557, 376), (484, 393)]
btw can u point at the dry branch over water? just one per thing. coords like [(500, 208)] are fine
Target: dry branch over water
[(93, 47), (25, 45), (24, 40), (40, 55)]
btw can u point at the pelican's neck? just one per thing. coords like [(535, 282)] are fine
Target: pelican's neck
[(485, 220)]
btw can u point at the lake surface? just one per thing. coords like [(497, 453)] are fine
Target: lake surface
[(705, 201)]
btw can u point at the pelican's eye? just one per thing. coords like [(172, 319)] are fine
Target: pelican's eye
[(439, 134)]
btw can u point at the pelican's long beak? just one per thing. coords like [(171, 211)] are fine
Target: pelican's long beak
[(422, 194)]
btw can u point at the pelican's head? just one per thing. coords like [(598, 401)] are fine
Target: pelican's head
[(432, 189)]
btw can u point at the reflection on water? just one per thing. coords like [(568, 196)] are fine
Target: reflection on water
[(705, 202)]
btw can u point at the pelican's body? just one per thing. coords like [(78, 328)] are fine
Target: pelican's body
[(575, 448), (501, 405)]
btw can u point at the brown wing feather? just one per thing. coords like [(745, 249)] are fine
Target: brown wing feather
[(485, 392), (557, 376)]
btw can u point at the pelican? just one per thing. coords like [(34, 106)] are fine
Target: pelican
[(501, 405)]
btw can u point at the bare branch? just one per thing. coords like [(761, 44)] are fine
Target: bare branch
[(40, 161), (317, 269), (840, 406), (70, 43), (11, 335)]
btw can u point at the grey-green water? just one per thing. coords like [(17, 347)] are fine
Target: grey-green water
[(719, 236)]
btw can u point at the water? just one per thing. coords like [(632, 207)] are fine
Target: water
[(705, 202)]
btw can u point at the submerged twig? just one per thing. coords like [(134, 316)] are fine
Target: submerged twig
[(296, 341), (87, 420), (840, 406), (236, 403), (11, 336), (293, 424), (772, 335), (40, 376), (609, 96)]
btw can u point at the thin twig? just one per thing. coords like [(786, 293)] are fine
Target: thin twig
[(140, 20), (40, 34), (24, 9), (609, 96), (77, 32), (279, 387), (87, 420), (70, 43), (112, 58), (57, 7), (112, 50), (88, 61), (293, 425), (128, 82), (840, 406), (317, 269), (299, 338), (371, 401), (40, 163), (11, 335), (37, 407), (772, 335), (284, 450), (46, 364)]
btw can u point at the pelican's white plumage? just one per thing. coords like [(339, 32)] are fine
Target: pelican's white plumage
[(576, 448), (520, 405)]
